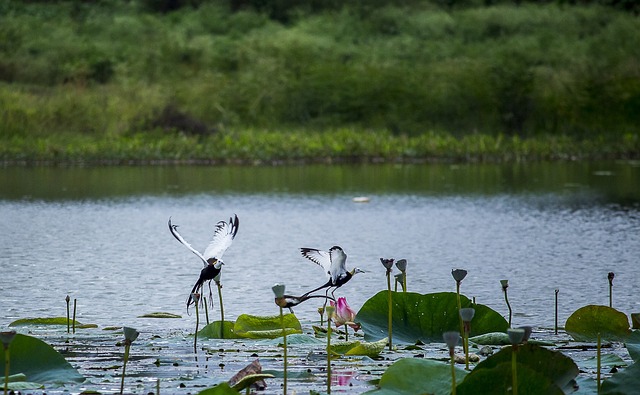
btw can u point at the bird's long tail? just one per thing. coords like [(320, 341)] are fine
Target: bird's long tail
[(195, 289), (325, 285)]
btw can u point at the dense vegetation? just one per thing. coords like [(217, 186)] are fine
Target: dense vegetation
[(270, 80)]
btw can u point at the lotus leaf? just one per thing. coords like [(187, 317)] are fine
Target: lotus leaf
[(212, 331), (269, 327), (50, 321), (220, 389), (159, 314), (606, 361), (553, 365), (633, 345), (587, 322), (501, 339), (497, 379), (423, 317), (39, 362), (356, 347), (626, 381), (247, 380), (411, 376)]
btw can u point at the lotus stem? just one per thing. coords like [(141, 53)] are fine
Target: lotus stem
[(321, 312), (598, 354), (157, 386), (404, 282), (453, 370), (514, 369), (346, 331), (330, 310), (451, 339), (74, 315), (284, 339), (127, 346), (395, 287), (221, 310), (206, 309), (556, 325), (7, 361), (68, 315), (390, 306), (610, 276), (459, 316), (505, 285)]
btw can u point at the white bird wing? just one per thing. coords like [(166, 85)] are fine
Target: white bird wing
[(318, 257), (174, 231), (338, 263), (222, 238)]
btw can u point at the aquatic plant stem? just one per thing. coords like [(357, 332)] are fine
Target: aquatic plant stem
[(206, 309), (221, 310), (346, 331), (404, 282), (453, 371), (506, 299), (465, 345), (195, 336), (127, 346), (68, 315), (556, 325), (459, 316), (390, 307), (514, 370), (598, 354), (7, 361), (328, 356), (74, 315), (284, 340)]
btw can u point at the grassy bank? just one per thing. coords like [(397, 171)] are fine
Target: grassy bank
[(111, 81)]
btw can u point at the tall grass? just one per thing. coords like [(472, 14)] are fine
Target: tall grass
[(102, 72)]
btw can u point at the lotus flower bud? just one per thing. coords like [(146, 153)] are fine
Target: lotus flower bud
[(278, 290), (387, 263), (459, 274), (505, 284)]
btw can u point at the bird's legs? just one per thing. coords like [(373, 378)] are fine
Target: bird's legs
[(210, 295)]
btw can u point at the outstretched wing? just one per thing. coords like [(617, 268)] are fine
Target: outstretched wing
[(174, 231), (223, 235), (321, 258), (338, 263)]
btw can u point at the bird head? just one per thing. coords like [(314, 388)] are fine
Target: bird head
[(218, 264), (356, 270)]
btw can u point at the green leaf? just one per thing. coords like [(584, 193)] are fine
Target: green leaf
[(606, 361), (50, 321), (39, 362), (220, 389), (250, 379), (498, 380), (626, 381), (411, 376), (356, 347), (587, 322), (160, 315), (491, 339), (212, 331), (265, 327), (633, 345), (423, 317), (553, 365)]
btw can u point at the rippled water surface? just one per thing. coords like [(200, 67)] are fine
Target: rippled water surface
[(100, 235)]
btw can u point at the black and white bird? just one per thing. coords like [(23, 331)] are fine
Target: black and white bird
[(223, 236), (334, 265)]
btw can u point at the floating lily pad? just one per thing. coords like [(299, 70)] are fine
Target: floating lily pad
[(411, 376), (633, 345), (356, 347), (265, 327), (606, 361), (212, 331), (160, 315), (587, 322), (220, 389), (501, 339), (498, 380), (50, 321), (39, 362), (554, 366), (423, 317)]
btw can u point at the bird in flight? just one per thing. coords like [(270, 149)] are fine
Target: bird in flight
[(223, 236), (333, 264)]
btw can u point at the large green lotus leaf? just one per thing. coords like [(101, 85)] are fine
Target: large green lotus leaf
[(269, 327), (626, 381), (411, 376), (39, 362), (633, 345), (356, 347), (587, 322), (498, 380), (212, 331), (220, 389), (553, 365), (50, 321), (423, 317)]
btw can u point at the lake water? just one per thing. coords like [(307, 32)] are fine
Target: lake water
[(100, 235)]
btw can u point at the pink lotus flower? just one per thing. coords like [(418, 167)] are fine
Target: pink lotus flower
[(344, 315)]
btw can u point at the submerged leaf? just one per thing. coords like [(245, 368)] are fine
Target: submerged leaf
[(424, 317), (411, 376), (626, 381), (633, 345), (587, 322), (159, 314), (50, 321), (39, 362), (265, 327)]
